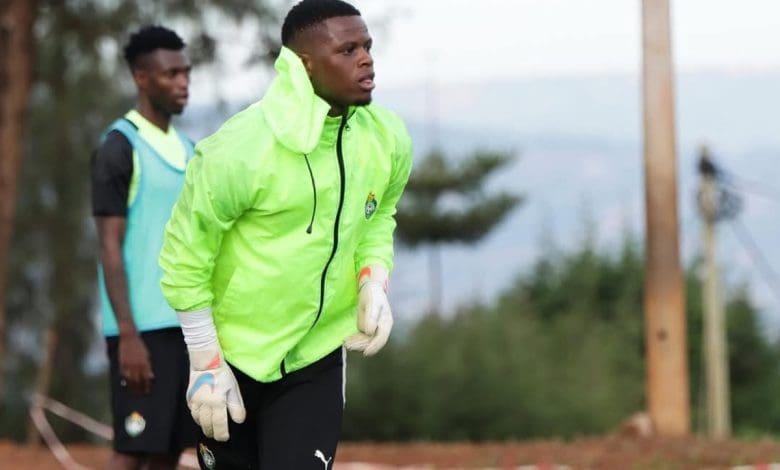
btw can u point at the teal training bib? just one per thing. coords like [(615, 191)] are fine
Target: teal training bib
[(158, 190)]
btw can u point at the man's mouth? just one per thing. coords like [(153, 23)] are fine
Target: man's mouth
[(367, 82)]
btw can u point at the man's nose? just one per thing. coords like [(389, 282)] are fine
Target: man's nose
[(366, 58), (183, 80)]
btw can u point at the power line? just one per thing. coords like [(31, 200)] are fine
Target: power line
[(734, 181), (769, 275), (728, 206), (719, 203), (748, 185)]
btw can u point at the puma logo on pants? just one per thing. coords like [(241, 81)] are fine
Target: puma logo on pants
[(318, 453)]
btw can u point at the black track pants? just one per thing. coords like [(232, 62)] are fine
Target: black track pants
[(291, 424)]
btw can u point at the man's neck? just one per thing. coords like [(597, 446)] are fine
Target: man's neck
[(337, 110), (156, 117)]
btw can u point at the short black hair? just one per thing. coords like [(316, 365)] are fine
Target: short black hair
[(308, 13), (148, 39)]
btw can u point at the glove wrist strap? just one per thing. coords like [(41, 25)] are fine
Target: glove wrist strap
[(374, 273)]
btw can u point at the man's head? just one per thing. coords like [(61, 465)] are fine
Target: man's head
[(333, 42), (160, 69)]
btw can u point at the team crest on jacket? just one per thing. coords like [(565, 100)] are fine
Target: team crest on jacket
[(135, 424), (370, 205)]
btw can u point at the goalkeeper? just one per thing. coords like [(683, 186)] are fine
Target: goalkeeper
[(278, 249)]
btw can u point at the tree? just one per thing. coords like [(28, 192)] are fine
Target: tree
[(446, 203), (17, 55), (81, 85), (559, 354)]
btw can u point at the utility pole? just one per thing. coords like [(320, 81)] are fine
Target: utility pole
[(665, 323), (715, 346)]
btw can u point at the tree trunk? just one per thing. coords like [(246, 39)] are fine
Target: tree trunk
[(17, 57)]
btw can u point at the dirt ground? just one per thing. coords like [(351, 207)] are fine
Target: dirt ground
[(592, 453)]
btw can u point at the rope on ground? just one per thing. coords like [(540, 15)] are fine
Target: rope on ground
[(56, 447), (41, 403), (188, 460), (79, 419)]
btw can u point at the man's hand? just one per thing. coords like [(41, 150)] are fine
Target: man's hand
[(135, 368), (213, 392), (375, 320), (134, 365)]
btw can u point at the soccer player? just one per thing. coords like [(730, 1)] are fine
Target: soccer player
[(278, 250), (137, 174)]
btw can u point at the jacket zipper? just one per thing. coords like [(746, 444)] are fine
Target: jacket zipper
[(314, 193), (340, 157), (342, 181)]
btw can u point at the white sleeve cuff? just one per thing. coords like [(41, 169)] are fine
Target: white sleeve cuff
[(198, 328)]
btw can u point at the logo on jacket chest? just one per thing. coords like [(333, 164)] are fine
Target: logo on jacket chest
[(370, 205)]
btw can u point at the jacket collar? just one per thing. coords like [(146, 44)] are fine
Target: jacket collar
[(293, 111)]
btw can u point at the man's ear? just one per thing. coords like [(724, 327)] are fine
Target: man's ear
[(307, 61), (141, 78)]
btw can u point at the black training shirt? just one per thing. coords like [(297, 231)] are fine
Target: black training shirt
[(111, 172)]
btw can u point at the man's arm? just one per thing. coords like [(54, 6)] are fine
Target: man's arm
[(111, 233), (376, 246), (111, 174), (134, 364), (214, 196), (374, 258)]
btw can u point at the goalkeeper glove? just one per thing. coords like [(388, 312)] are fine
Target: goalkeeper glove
[(213, 392), (374, 318)]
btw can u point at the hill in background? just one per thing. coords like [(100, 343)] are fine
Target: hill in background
[(580, 166)]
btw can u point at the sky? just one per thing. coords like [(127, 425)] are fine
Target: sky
[(531, 38), (453, 41)]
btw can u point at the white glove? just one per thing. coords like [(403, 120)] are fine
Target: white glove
[(374, 318), (213, 392)]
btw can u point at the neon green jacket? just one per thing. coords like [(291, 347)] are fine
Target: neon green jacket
[(280, 209)]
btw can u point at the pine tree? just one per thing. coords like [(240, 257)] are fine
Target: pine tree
[(446, 202), (559, 353)]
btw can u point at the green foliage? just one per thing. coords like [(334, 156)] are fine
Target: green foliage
[(753, 366), (559, 354), (82, 85), (423, 215)]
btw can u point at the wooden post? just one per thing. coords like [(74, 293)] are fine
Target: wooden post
[(714, 347), (665, 322)]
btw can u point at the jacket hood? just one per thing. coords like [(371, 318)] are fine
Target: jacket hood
[(293, 111)]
